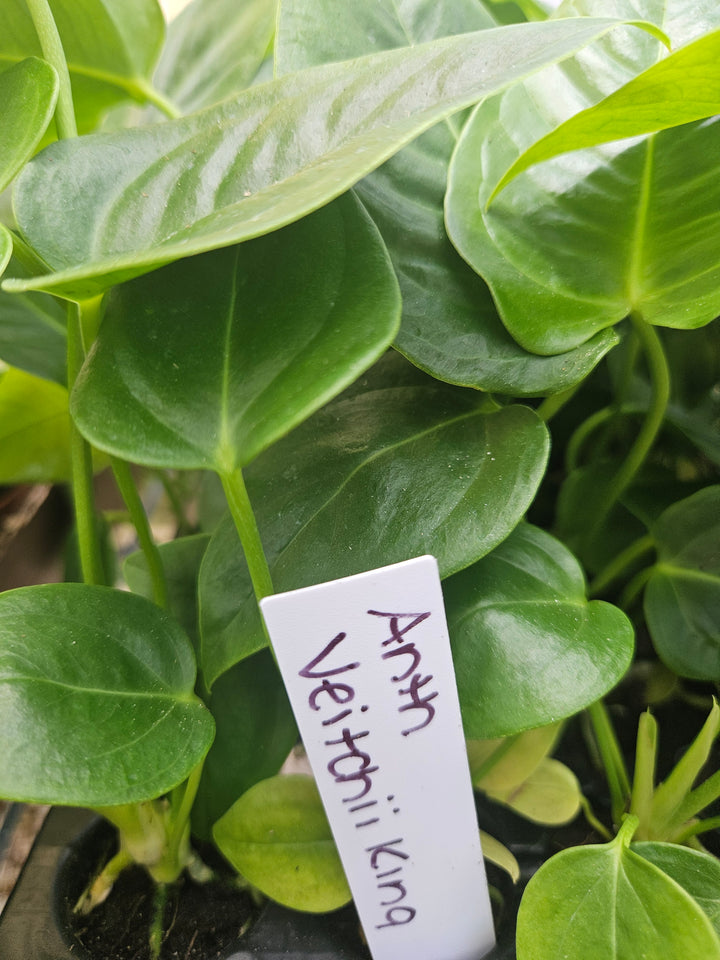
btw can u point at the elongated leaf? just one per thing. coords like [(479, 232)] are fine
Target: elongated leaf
[(450, 326), (111, 49), (397, 466), (498, 853), (96, 697), (607, 903), (698, 873), (34, 430), (575, 244), (255, 732), (28, 91), (144, 197), (527, 646), (32, 333), (682, 598), (278, 837), (208, 362)]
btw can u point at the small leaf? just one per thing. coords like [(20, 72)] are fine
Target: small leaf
[(277, 836), (550, 795), (34, 430), (28, 91), (528, 647), (604, 902), (206, 363), (682, 597), (96, 697), (504, 764), (697, 872), (498, 853), (32, 332)]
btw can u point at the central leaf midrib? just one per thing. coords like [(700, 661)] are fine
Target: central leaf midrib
[(174, 698)]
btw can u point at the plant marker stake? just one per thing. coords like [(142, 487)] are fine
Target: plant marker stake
[(367, 665)]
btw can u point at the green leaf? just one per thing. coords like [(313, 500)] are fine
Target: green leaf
[(209, 361), (695, 871), (498, 853), (32, 333), (34, 430), (574, 245), (682, 597), (96, 697), (450, 327), (550, 795), (396, 467), (111, 49), (504, 763), (278, 837), (28, 91), (6, 248), (213, 50), (682, 88), (255, 732), (527, 646), (146, 196), (604, 902)]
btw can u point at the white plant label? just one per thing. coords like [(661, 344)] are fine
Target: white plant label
[(367, 665)]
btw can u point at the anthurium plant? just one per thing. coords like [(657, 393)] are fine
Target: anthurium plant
[(356, 282)]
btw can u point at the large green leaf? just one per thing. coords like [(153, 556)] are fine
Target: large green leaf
[(697, 872), (28, 91), (207, 362), (34, 430), (573, 245), (604, 902), (96, 697), (255, 732), (528, 648), (144, 197), (682, 598), (396, 467), (278, 837), (32, 332), (450, 326), (111, 48)]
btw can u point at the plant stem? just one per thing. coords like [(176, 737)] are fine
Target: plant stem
[(150, 93), (586, 428), (53, 52), (634, 588), (698, 828), (699, 798), (644, 775), (128, 490), (81, 460), (589, 815), (246, 524), (612, 759), (551, 405), (156, 925), (619, 564)]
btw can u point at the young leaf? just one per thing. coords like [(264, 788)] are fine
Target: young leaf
[(34, 430), (695, 871), (32, 333), (528, 648), (604, 902), (682, 597), (277, 836), (96, 697), (209, 361), (28, 91), (261, 160), (396, 467), (498, 853), (504, 763), (550, 795)]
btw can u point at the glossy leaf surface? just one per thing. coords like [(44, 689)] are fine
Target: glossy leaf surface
[(111, 49), (698, 873), (96, 697), (395, 467), (604, 902), (146, 196), (209, 361), (32, 333), (278, 837), (573, 245), (527, 646), (34, 430), (682, 598), (28, 91), (450, 326)]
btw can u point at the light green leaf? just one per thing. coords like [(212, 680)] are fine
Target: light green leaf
[(111, 48), (504, 763), (278, 837), (28, 91), (550, 795), (450, 327), (96, 697), (211, 360), (144, 197), (34, 430), (397, 466), (498, 853), (6, 248), (32, 332), (528, 648), (697, 872), (604, 902), (682, 597)]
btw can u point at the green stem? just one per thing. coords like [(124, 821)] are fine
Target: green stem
[(157, 923), (620, 564), (53, 52), (589, 814), (644, 775), (698, 828), (129, 493), (242, 513), (581, 434), (551, 405), (634, 588), (81, 461), (102, 884), (612, 759), (150, 93), (698, 799)]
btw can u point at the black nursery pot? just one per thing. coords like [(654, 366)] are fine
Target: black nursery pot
[(35, 924)]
